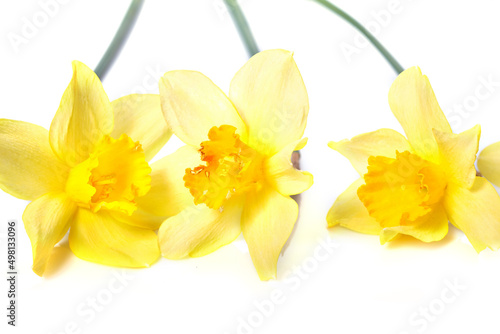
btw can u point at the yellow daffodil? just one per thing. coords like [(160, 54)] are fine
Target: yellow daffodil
[(236, 164), (488, 163), (415, 186), (90, 174)]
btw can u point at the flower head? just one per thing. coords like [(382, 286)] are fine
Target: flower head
[(237, 162), (90, 173), (415, 186)]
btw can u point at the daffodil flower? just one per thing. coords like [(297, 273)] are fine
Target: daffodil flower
[(237, 159), (415, 186), (90, 174)]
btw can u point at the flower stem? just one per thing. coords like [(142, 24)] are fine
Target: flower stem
[(120, 38), (392, 61), (242, 26)]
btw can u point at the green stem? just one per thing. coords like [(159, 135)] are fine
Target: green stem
[(120, 38), (394, 63), (242, 26)]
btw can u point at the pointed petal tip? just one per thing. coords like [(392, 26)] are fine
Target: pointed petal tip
[(479, 247), (266, 275), (267, 278), (413, 70), (38, 271), (331, 224), (335, 144), (302, 143), (78, 65)]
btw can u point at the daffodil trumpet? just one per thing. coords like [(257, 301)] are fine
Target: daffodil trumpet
[(90, 174), (416, 185), (237, 158)]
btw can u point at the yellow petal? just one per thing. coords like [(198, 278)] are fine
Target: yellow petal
[(192, 104), (84, 116), (414, 104), (458, 154), (270, 96), (267, 221), (28, 167), (199, 230), (99, 238), (383, 142), (140, 117), (140, 218), (348, 211), (47, 219), (428, 228), (168, 195), (476, 211), (281, 174), (489, 163)]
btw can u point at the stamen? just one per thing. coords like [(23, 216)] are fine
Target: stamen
[(114, 175), (108, 179), (227, 170)]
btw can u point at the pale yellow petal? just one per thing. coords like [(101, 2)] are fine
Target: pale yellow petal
[(28, 167), (168, 196), (267, 222), (414, 104), (99, 238), (383, 142), (199, 230), (192, 104), (489, 163), (139, 116), (458, 154), (476, 211), (270, 95), (281, 174), (84, 116), (46, 220), (348, 211), (428, 228)]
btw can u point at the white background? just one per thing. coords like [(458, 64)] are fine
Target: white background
[(360, 286)]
